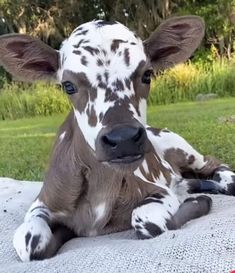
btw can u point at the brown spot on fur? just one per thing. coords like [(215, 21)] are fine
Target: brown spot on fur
[(79, 44), (118, 85), (106, 76), (101, 115), (92, 118), (77, 29), (110, 95), (91, 50), (93, 93), (84, 60), (153, 229), (128, 83), (119, 112), (98, 77), (99, 62), (82, 102), (191, 159), (127, 56), (27, 238), (63, 59), (115, 44), (77, 52), (34, 242), (84, 32), (166, 130), (155, 131), (211, 164), (101, 83), (177, 159)]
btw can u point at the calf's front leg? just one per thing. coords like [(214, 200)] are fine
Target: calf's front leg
[(162, 211), (39, 237)]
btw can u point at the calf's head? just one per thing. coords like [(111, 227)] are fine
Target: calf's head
[(106, 71)]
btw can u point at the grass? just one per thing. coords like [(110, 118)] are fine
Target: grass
[(25, 144)]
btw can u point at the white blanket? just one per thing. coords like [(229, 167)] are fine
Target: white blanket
[(203, 245)]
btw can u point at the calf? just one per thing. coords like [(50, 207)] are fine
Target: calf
[(109, 170)]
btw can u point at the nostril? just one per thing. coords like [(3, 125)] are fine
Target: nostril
[(109, 142), (138, 136)]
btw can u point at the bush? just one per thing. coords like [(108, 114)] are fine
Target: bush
[(182, 83), (185, 81), (19, 100)]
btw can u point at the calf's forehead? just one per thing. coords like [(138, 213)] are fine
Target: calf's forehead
[(94, 48)]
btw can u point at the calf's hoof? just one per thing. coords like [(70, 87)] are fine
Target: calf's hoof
[(31, 239)]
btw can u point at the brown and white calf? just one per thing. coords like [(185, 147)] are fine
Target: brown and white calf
[(109, 170)]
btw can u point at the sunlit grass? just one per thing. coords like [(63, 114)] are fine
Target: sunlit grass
[(25, 144), (185, 81)]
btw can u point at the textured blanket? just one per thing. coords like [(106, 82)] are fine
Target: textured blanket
[(203, 245)]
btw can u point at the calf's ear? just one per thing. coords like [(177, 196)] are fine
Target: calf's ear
[(27, 58), (174, 41)]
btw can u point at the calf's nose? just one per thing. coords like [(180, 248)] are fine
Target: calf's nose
[(124, 141)]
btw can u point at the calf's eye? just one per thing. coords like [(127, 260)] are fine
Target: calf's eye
[(147, 76), (69, 88)]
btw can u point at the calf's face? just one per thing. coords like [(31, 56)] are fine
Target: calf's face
[(103, 65), (106, 71)]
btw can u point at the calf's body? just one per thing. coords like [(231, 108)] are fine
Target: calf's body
[(109, 170)]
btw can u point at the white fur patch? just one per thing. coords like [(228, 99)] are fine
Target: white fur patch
[(181, 189), (35, 209), (143, 110), (226, 178), (155, 213), (31, 237), (100, 211), (61, 137), (169, 140), (145, 166), (101, 38)]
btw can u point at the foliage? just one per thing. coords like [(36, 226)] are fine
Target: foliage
[(219, 16), (185, 81), (49, 21), (26, 143), (181, 83), (24, 100)]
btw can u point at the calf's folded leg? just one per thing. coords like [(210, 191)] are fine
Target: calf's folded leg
[(158, 213), (36, 238), (184, 158)]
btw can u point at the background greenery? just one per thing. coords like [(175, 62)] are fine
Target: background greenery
[(25, 144), (210, 70), (31, 113)]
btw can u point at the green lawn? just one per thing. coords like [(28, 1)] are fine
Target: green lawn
[(25, 144)]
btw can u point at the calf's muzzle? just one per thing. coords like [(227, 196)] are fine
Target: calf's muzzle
[(122, 144)]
